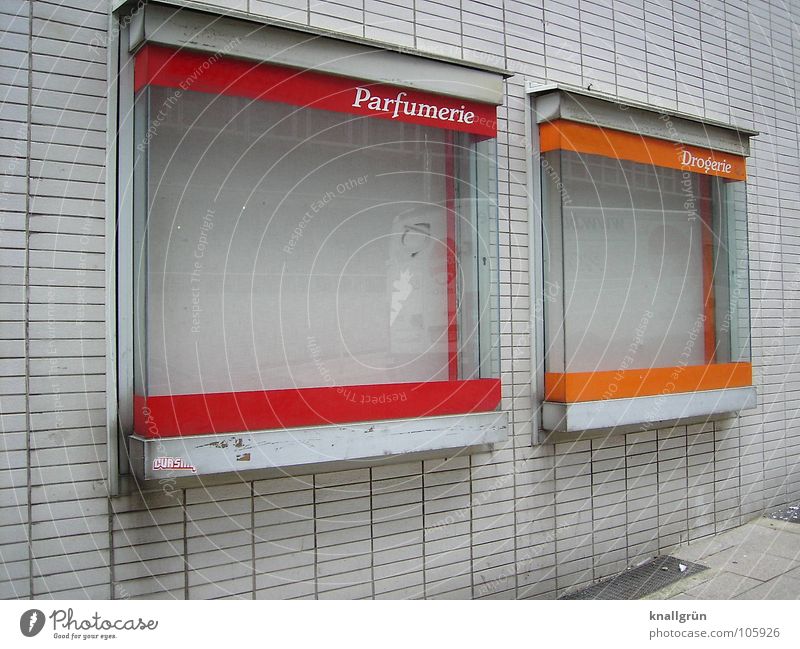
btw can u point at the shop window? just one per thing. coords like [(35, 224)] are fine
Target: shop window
[(308, 249), (645, 294)]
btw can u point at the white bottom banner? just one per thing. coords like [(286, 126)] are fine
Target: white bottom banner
[(400, 624)]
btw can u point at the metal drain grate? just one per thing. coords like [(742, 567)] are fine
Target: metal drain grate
[(638, 582), (790, 514)]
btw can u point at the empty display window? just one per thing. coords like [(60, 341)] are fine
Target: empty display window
[(645, 266), (307, 249)]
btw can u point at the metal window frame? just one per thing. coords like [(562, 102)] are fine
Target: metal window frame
[(559, 422), (113, 433), (560, 101), (134, 23), (119, 259)]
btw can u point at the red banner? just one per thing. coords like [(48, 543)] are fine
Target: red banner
[(236, 412), (187, 70)]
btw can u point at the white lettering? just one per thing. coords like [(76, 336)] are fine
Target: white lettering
[(426, 110), (708, 164), (400, 95), (362, 94), (399, 105)]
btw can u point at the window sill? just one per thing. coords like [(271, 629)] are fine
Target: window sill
[(569, 421), (313, 448)]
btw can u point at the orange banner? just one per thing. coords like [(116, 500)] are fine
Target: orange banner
[(585, 138), (573, 387)]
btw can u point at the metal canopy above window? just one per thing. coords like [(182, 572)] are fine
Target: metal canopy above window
[(555, 101), (167, 25)]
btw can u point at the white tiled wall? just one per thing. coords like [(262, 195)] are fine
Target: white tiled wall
[(521, 521)]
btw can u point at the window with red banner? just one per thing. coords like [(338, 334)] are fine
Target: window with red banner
[(308, 249)]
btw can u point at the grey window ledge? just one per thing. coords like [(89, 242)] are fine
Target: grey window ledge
[(583, 420), (314, 448)]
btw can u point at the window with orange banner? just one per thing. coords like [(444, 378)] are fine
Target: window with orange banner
[(645, 259)]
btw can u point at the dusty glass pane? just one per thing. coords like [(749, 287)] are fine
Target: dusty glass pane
[(645, 266), (282, 247)]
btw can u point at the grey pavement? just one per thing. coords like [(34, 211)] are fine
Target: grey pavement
[(759, 560)]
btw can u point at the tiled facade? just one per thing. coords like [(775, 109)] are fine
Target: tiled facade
[(521, 521)]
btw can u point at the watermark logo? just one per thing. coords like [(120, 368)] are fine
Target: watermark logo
[(317, 206), (31, 622)]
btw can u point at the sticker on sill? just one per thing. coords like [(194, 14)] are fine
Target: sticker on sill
[(172, 464)]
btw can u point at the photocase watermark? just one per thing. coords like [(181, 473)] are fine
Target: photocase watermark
[(155, 124), (31, 622), (550, 294), (351, 394), (195, 276), (599, 223), (689, 159), (443, 49), (509, 574), (67, 626), (670, 386), (151, 431), (55, 321), (16, 157), (184, 86), (120, 592), (52, 351), (103, 40), (317, 206), (738, 293), (628, 359), (316, 356), (359, 396), (464, 513), (556, 180)]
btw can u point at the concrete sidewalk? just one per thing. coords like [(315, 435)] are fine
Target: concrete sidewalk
[(759, 560)]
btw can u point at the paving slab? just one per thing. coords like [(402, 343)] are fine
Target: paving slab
[(782, 587), (704, 547), (763, 567), (758, 560), (749, 560), (774, 541), (783, 526), (723, 585)]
